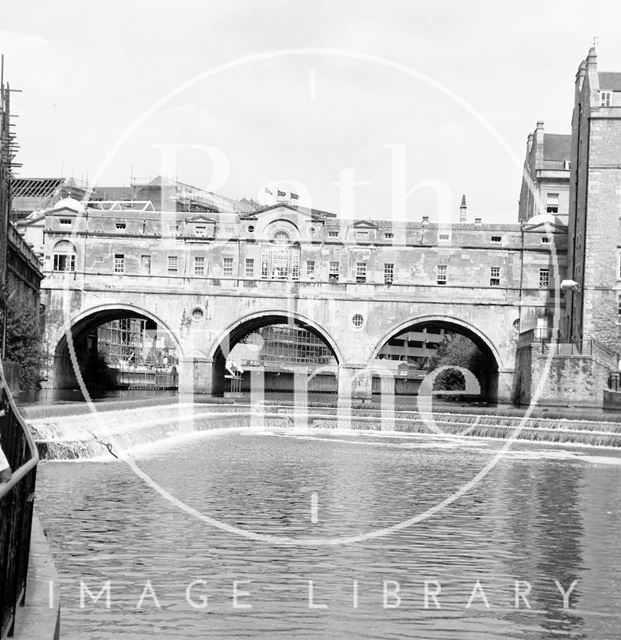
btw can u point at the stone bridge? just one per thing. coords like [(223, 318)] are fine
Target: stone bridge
[(210, 279), (232, 310)]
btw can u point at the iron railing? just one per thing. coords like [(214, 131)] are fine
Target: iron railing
[(16, 505)]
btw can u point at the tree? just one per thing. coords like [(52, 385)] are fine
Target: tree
[(23, 344), (460, 351)]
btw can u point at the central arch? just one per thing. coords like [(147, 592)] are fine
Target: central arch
[(235, 333), (82, 330), (438, 327)]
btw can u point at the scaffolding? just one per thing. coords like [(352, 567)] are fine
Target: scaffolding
[(135, 342), (285, 344)]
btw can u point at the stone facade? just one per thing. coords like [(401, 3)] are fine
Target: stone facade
[(545, 180), (240, 270), (211, 269), (595, 207)]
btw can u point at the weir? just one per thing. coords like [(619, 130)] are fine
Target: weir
[(115, 434)]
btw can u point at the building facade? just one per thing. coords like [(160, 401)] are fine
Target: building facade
[(545, 181), (378, 295)]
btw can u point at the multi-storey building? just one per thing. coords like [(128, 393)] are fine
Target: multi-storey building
[(545, 184), (594, 305), (499, 284)]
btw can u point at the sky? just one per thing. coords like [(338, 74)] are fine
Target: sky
[(365, 108)]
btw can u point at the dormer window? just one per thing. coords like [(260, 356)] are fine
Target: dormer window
[(120, 226), (605, 98), (65, 222)]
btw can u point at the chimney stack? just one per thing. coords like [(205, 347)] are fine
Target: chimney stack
[(463, 209)]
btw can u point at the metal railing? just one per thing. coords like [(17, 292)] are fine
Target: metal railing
[(545, 337), (16, 505)]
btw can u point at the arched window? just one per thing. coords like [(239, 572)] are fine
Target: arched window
[(280, 259), (64, 256)]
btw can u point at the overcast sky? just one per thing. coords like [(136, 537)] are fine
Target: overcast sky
[(89, 70)]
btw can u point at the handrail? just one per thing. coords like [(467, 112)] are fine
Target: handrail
[(16, 508)]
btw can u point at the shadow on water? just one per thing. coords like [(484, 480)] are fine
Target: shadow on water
[(60, 396)]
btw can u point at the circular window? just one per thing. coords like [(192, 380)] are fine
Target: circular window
[(250, 229), (516, 325), (197, 314), (357, 320), (312, 231)]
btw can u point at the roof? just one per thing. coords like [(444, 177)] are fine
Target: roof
[(115, 193), (315, 213), (556, 146), (610, 80), (35, 187)]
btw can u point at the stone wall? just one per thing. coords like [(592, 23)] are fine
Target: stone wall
[(549, 378)]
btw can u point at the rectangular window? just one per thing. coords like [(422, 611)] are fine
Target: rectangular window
[(362, 235), (119, 263), (441, 273), (361, 272), (249, 267), (199, 265), (496, 238), (145, 263), (494, 276), (310, 268), (65, 221), (605, 98), (333, 274), (388, 235), (228, 266), (173, 264), (618, 308), (200, 230), (545, 239), (333, 234), (544, 278), (64, 262), (173, 228), (120, 226), (389, 272), (552, 202), (265, 269), (443, 237)]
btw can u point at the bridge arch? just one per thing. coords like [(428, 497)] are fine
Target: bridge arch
[(492, 358), (248, 324), (84, 323)]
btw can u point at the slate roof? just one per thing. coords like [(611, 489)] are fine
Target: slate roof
[(609, 80), (557, 146)]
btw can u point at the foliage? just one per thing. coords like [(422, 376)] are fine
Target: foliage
[(460, 351), (23, 345)]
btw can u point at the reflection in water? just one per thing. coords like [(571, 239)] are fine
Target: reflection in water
[(525, 521)]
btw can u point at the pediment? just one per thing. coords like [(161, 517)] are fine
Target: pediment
[(284, 209), (545, 225), (200, 219), (364, 224)]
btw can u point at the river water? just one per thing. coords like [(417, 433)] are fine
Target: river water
[(542, 519)]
